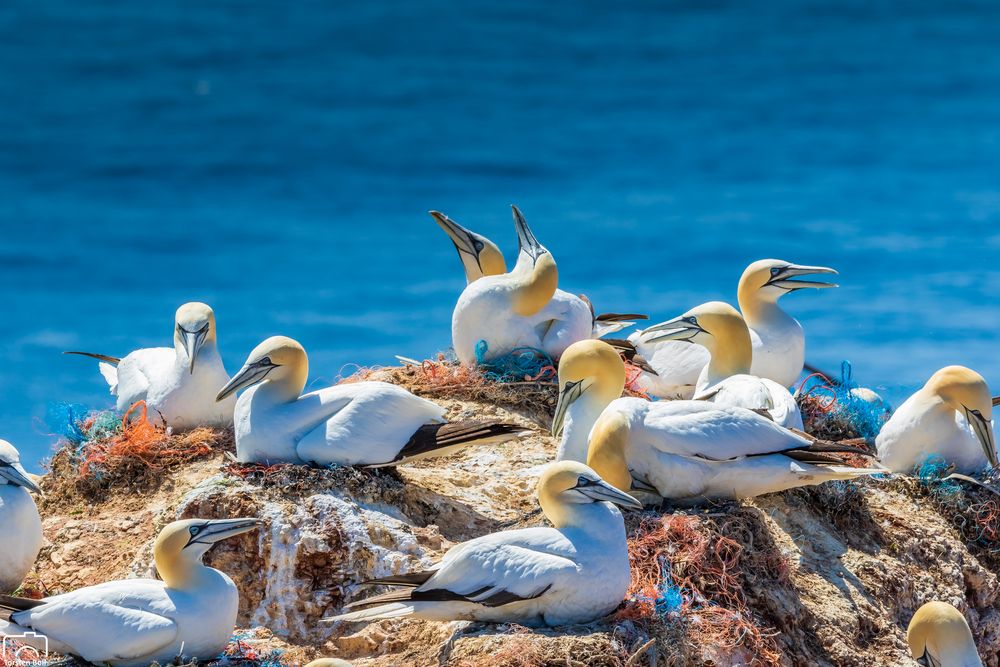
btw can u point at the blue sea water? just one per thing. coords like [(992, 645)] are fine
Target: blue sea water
[(277, 160)]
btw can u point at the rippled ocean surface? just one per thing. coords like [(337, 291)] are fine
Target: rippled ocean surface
[(277, 161)]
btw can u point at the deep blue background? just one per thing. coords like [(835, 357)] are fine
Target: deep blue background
[(277, 160)]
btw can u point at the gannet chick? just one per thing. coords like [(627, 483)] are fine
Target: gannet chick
[(359, 423), (939, 636), (481, 257), (779, 344), (140, 621), (517, 309), (686, 450), (20, 524), (726, 380), (574, 572), (178, 384), (950, 416)]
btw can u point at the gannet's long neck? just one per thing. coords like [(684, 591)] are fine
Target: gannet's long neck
[(287, 387), (606, 455), (731, 353), (761, 313), (594, 519), (532, 283), (580, 418), (183, 573)]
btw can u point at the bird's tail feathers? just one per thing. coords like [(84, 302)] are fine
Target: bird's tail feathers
[(379, 613)]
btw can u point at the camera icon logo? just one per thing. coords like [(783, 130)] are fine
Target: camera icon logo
[(16, 650)]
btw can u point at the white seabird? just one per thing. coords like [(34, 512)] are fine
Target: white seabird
[(939, 636), (777, 338), (481, 257), (134, 622), (950, 416), (357, 423), (685, 450), (518, 309), (178, 384), (20, 525), (726, 380), (574, 572)]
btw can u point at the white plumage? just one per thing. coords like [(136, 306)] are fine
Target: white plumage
[(20, 525)]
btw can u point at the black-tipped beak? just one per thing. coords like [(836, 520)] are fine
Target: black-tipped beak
[(783, 277), (526, 241), (983, 429)]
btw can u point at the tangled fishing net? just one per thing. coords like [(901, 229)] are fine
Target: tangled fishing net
[(840, 409), (690, 580), (102, 451)]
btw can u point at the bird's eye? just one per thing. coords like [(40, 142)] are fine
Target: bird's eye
[(691, 320), (194, 530), (478, 245), (265, 361), (775, 271)]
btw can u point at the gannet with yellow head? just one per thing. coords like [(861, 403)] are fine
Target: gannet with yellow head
[(134, 622), (779, 344), (950, 416), (358, 423), (517, 309), (939, 636), (178, 383), (685, 450), (727, 380), (574, 572), (481, 257), (20, 525)]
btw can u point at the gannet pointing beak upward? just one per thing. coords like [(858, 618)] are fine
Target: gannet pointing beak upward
[(135, 622), (358, 423), (480, 256), (939, 636), (950, 416), (574, 572), (727, 379), (20, 525)]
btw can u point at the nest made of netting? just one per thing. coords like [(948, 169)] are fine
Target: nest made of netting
[(246, 648), (839, 409), (970, 505), (291, 481), (101, 453), (590, 645), (692, 574)]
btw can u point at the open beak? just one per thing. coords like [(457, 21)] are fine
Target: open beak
[(570, 392), (984, 433), (248, 376), (784, 279), (526, 241), (680, 328), (464, 239), (193, 340), (18, 476), (217, 531), (600, 491)]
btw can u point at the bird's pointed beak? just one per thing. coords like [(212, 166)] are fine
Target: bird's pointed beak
[(193, 340), (784, 279), (15, 474), (223, 529), (570, 392), (983, 429), (459, 235), (526, 241), (680, 328), (603, 492), (249, 375)]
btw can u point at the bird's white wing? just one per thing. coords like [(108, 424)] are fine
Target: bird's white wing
[(110, 374), (697, 428), (117, 620), (137, 370), (503, 567), (747, 391), (677, 363), (565, 320)]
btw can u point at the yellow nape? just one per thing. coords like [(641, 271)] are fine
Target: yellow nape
[(962, 388), (491, 260), (755, 277), (194, 315), (168, 553), (606, 455), (533, 291), (593, 359), (729, 341), (939, 628), (556, 479)]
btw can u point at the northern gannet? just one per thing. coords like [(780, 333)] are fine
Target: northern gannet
[(777, 338), (574, 572), (939, 636), (20, 525), (179, 383), (726, 380), (481, 257), (517, 309), (950, 416), (192, 611), (779, 344), (358, 423), (686, 450)]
